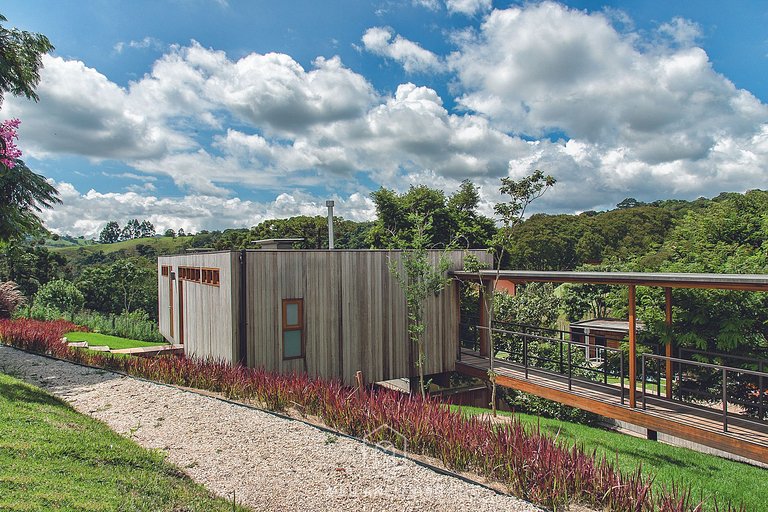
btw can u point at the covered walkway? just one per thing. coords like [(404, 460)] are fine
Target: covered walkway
[(651, 405)]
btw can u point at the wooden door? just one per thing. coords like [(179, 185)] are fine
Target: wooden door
[(181, 311)]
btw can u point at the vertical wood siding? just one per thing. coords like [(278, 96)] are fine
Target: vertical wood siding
[(355, 315), (210, 312)]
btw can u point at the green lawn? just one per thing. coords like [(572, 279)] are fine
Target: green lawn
[(53, 458), (113, 342), (707, 474)]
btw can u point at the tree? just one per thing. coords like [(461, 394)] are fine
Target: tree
[(419, 279), (131, 230), (110, 234), (170, 233), (61, 295), (146, 229), (520, 194), (453, 219), (23, 195), (21, 54)]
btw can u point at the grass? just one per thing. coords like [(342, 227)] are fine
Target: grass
[(707, 474), (113, 342), (163, 245), (53, 458)]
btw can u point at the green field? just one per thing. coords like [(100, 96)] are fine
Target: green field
[(113, 342), (53, 458), (707, 475), (162, 245)]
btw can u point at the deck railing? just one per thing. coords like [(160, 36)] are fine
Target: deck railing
[(564, 362), (724, 396), (516, 341)]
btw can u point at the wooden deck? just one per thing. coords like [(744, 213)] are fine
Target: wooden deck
[(698, 424)]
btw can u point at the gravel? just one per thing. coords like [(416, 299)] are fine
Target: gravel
[(269, 463)]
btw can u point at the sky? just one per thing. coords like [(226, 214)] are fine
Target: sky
[(212, 114)]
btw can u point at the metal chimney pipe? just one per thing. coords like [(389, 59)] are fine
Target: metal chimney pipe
[(329, 204)]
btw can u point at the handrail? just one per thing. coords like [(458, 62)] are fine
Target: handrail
[(724, 383), (570, 344)]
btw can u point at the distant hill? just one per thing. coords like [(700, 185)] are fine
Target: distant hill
[(150, 246)]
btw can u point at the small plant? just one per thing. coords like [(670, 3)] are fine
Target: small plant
[(10, 298), (330, 439)]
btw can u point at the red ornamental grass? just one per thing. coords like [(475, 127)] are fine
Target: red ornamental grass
[(532, 465)]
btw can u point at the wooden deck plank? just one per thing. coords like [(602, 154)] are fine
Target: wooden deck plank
[(745, 438)]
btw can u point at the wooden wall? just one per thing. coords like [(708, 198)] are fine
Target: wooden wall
[(209, 312), (354, 314)]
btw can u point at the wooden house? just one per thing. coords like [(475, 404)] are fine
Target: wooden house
[(327, 313)]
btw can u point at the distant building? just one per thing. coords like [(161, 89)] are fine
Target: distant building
[(600, 332)]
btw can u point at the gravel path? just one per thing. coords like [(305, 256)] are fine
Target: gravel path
[(271, 463)]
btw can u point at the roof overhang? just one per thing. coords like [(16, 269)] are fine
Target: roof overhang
[(745, 282)]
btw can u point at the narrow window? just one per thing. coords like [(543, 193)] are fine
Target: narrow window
[(293, 328)]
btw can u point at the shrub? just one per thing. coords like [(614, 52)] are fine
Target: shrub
[(10, 298), (532, 465), (135, 325), (59, 294)]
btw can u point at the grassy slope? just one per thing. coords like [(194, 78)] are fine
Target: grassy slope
[(163, 245), (113, 342), (706, 474), (53, 458)]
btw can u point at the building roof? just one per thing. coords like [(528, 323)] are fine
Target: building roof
[(607, 324), (748, 282)]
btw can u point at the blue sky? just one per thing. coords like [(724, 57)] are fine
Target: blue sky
[(208, 114)]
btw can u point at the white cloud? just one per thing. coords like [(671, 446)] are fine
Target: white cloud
[(146, 42), (87, 213), (414, 58), (649, 115), (468, 7), (432, 5), (638, 115)]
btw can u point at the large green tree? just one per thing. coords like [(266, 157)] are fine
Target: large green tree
[(454, 220), (23, 194), (21, 54)]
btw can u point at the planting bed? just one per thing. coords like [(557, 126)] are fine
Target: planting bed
[(269, 463), (525, 461)]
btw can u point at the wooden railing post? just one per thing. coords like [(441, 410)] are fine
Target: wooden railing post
[(632, 347), (668, 351)]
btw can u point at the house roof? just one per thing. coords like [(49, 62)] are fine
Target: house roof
[(748, 282)]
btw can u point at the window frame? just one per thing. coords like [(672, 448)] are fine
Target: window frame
[(299, 326)]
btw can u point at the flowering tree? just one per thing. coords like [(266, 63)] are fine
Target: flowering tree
[(23, 193), (8, 150)]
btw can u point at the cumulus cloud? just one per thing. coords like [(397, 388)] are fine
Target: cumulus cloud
[(384, 42), (645, 115), (610, 113), (146, 42), (468, 7), (87, 213)]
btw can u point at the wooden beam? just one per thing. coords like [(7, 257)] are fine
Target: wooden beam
[(486, 311), (632, 347), (668, 348)]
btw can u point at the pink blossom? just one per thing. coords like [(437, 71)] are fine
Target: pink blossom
[(8, 150)]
